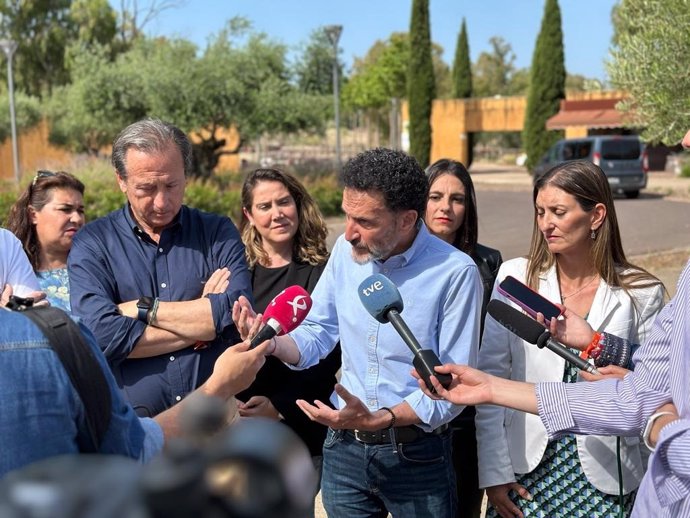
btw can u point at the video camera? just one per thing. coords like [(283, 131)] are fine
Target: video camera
[(256, 468)]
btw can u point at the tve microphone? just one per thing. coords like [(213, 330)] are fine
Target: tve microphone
[(283, 314), (382, 300), (533, 332)]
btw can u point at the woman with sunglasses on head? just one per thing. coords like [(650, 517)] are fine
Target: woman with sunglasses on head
[(451, 215), (45, 218)]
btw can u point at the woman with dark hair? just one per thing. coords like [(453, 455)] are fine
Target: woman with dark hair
[(45, 218), (451, 214), (576, 258), (285, 239)]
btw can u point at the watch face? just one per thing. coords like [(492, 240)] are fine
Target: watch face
[(144, 303)]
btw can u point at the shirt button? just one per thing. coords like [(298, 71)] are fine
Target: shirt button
[(160, 250), (178, 398), (172, 358), (372, 402), (163, 285)]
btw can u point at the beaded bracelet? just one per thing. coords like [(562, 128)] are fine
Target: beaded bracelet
[(393, 418)]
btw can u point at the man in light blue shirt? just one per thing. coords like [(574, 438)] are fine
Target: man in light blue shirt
[(388, 448)]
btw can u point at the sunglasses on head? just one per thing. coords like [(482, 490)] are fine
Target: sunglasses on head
[(42, 174)]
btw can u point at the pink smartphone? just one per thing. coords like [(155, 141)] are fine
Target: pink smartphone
[(528, 299)]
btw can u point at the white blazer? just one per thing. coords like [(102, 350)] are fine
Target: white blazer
[(509, 441)]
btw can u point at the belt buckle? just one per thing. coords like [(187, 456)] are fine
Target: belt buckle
[(369, 437), (364, 436)]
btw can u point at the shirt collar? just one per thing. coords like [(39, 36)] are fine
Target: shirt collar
[(178, 222), (419, 244)]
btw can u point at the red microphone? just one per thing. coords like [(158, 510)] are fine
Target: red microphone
[(283, 314)]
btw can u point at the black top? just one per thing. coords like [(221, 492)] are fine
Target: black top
[(282, 385), (488, 260)]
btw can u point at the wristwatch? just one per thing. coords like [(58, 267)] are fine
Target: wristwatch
[(648, 427), (144, 305)]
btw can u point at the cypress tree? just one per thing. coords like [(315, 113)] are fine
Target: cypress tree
[(547, 85), (421, 86), (462, 68), (462, 79)]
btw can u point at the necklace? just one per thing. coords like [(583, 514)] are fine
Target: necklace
[(563, 297)]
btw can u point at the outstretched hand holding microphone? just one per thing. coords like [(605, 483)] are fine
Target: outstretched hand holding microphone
[(471, 386), (284, 313)]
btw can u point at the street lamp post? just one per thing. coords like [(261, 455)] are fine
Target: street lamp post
[(8, 47), (333, 33)]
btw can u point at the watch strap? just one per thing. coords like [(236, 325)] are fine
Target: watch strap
[(648, 427), (144, 305)]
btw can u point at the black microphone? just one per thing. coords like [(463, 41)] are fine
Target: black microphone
[(533, 332), (382, 300)]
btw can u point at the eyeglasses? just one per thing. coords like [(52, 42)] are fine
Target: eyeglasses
[(42, 174)]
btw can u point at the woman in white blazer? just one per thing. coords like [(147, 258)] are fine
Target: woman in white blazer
[(576, 258)]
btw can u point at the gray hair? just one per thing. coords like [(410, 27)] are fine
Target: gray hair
[(150, 136)]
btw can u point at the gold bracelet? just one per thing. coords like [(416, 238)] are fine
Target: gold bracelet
[(393, 418)]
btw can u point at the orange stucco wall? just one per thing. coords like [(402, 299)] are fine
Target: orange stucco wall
[(35, 152), (453, 119)]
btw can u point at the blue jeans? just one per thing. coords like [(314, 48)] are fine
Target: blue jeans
[(371, 480)]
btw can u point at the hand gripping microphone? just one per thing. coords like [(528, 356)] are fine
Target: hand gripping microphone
[(533, 332), (283, 314), (382, 300)]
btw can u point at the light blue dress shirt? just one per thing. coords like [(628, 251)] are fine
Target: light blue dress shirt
[(442, 293)]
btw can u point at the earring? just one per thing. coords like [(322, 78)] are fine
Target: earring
[(593, 235)]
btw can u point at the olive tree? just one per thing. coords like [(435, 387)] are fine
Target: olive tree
[(649, 45)]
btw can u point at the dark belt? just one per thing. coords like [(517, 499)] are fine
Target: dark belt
[(397, 435)]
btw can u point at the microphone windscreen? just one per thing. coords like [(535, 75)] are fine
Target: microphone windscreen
[(515, 321), (288, 308), (379, 295)]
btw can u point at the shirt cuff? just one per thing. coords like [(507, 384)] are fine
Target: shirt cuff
[(553, 407), (153, 439), (431, 413), (671, 462)]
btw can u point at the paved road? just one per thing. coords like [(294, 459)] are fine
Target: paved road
[(648, 224)]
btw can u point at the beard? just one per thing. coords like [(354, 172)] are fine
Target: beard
[(363, 254)]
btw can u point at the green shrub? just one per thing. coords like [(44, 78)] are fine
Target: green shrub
[(220, 194), (8, 195), (327, 194), (206, 196), (685, 170)]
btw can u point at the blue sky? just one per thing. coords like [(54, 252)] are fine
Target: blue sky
[(586, 24)]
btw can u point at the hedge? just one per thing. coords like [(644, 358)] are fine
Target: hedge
[(220, 195)]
